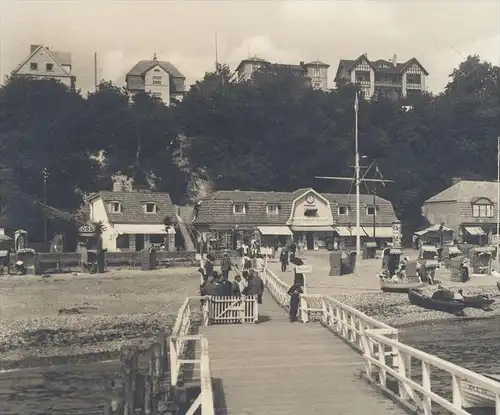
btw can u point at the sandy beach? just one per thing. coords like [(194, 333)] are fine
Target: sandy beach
[(361, 290), (82, 315)]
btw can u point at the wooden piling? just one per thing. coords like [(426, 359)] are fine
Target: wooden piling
[(149, 408), (129, 363)]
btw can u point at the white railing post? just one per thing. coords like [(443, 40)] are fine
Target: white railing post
[(324, 315), (382, 374), (174, 370), (426, 383), (303, 310), (456, 389)]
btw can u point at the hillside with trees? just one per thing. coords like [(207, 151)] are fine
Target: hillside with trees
[(270, 133)]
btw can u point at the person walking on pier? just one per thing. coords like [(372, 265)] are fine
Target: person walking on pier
[(284, 259), (294, 292)]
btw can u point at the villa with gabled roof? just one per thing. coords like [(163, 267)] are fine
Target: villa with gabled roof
[(160, 78), (383, 77), (43, 63)]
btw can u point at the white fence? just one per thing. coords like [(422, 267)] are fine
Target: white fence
[(178, 348), (244, 309), (385, 356)]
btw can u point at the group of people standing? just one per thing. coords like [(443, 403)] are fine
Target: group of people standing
[(248, 282)]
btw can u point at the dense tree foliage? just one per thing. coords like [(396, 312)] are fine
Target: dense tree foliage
[(270, 133)]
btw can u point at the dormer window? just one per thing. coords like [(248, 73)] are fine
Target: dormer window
[(371, 210), (239, 208), (115, 207), (150, 207), (310, 212), (343, 210), (272, 209), (483, 208)]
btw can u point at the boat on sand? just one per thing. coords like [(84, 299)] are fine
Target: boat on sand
[(400, 287), (416, 297)]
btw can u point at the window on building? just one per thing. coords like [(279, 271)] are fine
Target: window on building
[(482, 210), (49, 67), (123, 242), (370, 210), (34, 66), (413, 78), (343, 210), (156, 239), (156, 80), (317, 73), (150, 207), (115, 207), (157, 94), (310, 213), (272, 209), (239, 208)]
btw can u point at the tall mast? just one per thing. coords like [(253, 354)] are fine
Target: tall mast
[(216, 53), (358, 230)]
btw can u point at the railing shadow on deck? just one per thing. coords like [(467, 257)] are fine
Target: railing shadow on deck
[(387, 360)]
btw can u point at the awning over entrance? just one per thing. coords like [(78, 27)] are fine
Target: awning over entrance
[(380, 231), (312, 228), (141, 229), (275, 230), (345, 231), (475, 230)]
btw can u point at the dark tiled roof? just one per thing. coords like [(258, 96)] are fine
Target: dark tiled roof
[(317, 63), (218, 208), (133, 209), (142, 67)]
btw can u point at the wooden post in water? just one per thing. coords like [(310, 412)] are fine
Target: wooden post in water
[(129, 363), (114, 404), (149, 400), (156, 369)]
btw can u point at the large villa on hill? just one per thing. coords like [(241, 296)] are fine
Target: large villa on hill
[(227, 217)]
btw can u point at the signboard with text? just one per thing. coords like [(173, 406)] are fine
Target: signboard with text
[(303, 269)]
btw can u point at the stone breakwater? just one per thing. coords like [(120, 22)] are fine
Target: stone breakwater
[(395, 308)]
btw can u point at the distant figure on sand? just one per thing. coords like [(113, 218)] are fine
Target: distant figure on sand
[(294, 293)]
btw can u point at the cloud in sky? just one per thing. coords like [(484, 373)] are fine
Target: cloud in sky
[(440, 33)]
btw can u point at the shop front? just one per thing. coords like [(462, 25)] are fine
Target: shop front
[(311, 220), (274, 235)]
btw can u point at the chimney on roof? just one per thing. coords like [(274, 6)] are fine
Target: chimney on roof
[(33, 48), (456, 180), (394, 60)]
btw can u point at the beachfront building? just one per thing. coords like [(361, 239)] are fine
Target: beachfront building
[(386, 78), (133, 220), (468, 208), (44, 63), (229, 217)]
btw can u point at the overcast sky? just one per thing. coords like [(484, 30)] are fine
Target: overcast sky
[(439, 33)]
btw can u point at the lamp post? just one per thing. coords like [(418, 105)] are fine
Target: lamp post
[(45, 175)]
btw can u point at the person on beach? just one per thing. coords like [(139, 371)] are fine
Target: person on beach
[(203, 276), (294, 292), (226, 265), (459, 295)]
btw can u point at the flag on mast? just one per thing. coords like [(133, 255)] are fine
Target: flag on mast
[(356, 104)]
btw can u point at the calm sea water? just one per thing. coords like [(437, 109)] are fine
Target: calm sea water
[(79, 389), (473, 344)]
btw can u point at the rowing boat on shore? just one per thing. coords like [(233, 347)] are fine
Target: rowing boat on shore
[(400, 287), (474, 396), (416, 297)]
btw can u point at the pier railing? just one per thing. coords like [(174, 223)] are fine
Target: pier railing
[(410, 375)]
